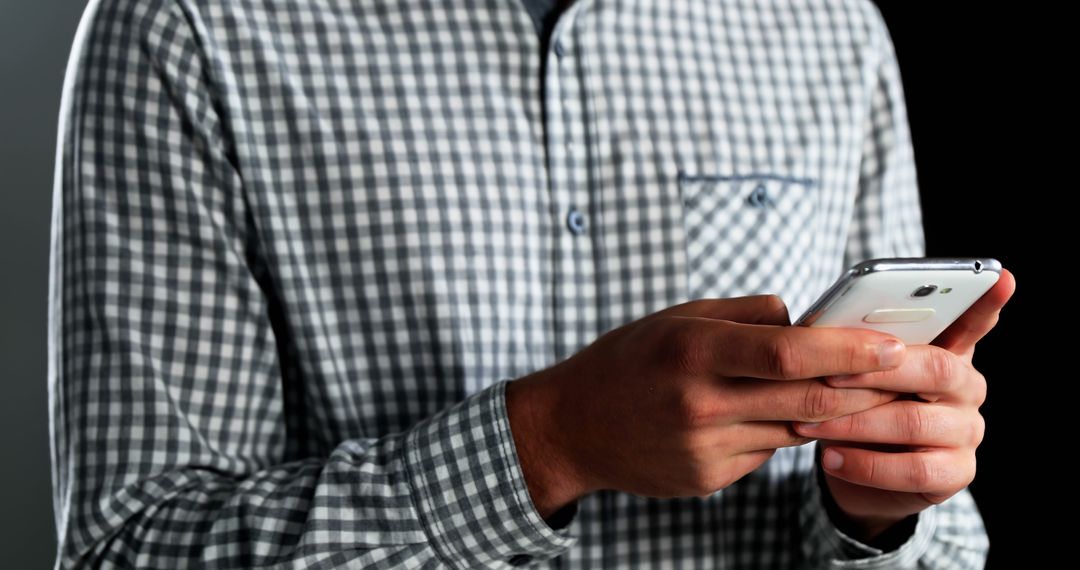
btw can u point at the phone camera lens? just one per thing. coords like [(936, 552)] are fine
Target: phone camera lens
[(924, 291)]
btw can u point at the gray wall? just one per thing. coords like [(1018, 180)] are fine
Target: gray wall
[(35, 36)]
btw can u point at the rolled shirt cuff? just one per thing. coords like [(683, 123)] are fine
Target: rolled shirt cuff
[(826, 546), (470, 492)]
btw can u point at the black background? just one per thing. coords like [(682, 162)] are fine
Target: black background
[(986, 92), (983, 91)]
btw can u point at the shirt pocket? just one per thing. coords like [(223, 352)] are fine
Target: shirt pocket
[(748, 234)]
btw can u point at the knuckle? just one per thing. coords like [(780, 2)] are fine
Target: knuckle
[(852, 355), (941, 367), (945, 480), (774, 306), (923, 473), (855, 424), (979, 388), (694, 410), (820, 402), (978, 431), (951, 478), (871, 469), (914, 423), (939, 383), (782, 357), (682, 347), (688, 442), (969, 472)]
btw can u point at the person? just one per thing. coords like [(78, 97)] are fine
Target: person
[(493, 284)]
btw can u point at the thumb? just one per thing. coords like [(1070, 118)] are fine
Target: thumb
[(753, 310), (979, 319)]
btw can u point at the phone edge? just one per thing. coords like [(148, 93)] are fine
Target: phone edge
[(878, 265)]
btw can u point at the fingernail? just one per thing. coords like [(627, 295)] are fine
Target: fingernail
[(806, 426), (832, 460), (890, 353)]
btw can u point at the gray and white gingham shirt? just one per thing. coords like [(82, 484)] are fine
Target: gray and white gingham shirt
[(300, 246)]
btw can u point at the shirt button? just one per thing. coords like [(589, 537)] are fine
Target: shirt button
[(760, 198), (575, 220), (520, 559)]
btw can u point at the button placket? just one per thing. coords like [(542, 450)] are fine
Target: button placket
[(565, 72), (573, 280)]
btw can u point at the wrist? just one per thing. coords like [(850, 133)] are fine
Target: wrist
[(871, 530), (874, 530), (545, 464)]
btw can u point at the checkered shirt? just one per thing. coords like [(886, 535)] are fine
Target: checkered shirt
[(300, 247)]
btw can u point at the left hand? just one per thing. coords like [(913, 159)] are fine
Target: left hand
[(887, 463)]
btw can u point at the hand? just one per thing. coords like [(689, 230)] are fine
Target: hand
[(685, 401), (937, 437)]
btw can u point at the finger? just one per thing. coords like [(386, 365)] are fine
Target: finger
[(961, 336), (788, 353), (935, 472), (933, 373), (756, 436), (902, 422), (755, 309), (800, 400)]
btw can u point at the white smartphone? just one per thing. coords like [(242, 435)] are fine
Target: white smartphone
[(913, 299)]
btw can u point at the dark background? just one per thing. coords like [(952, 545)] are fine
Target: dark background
[(987, 114), (982, 100)]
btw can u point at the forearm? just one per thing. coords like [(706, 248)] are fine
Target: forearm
[(418, 496), (188, 516)]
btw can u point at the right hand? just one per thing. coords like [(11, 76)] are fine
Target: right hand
[(685, 401)]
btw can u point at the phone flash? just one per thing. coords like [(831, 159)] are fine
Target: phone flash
[(945, 290)]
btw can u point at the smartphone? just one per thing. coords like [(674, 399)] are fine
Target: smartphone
[(913, 299)]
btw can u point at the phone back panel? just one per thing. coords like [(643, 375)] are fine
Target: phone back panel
[(887, 296)]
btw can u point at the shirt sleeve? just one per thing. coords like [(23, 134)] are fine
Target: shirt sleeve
[(887, 222), (173, 436), (949, 535)]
